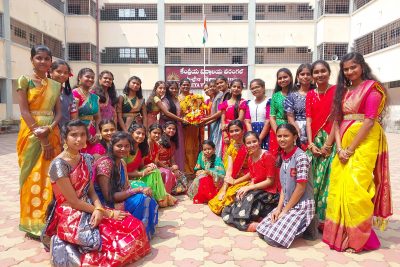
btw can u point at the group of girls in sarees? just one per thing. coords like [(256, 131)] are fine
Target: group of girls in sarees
[(313, 157)]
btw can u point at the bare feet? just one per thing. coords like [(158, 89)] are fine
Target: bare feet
[(350, 250)]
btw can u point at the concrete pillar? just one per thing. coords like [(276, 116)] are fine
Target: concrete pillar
[(251, 49), (161, 39), (7, 57)]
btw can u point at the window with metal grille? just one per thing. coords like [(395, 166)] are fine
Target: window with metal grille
[(215, 55), (333, 7), (284, 11), (332, 51), (81, 7), (81, 52), (360, 3), (191, 50), (283, 55), (193, 9), (276, 8), (28, 36), (128, 12), (381, 38), (212, 12), (129, 55), (220, 9), (57, 4)]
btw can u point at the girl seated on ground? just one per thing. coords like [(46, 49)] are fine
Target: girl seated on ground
[(210, 174), (175, 180), (255, 200), (296, 207), (82, 231), (142, 175), (235, 163), (113, 188), (107, 129)]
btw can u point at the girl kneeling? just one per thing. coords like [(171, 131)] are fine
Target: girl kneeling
[(255, 200), (296, 205)]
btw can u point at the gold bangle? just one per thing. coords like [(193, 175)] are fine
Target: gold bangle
[(46, 145), (328, 146), (99, 208), (348, 151), (111, 214)]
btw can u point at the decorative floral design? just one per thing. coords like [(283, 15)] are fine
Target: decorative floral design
[(194, 108)]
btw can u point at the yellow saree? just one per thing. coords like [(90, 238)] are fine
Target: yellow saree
[(239, 168), (360, 188), (35, 187)]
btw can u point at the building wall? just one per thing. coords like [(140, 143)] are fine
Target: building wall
[(40, 15), (224, 33)]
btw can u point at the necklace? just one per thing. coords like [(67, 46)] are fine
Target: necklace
[(85, 96), (83, 92), (322, 92), (43, 81), (71, 156)]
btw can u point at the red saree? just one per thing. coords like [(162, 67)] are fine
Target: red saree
[(73, 241)]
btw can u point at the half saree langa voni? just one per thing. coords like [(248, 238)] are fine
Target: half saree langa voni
[(360, 188), (238, 153), (35, 188), (318, 108)]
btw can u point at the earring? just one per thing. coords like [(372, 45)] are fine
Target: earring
[(65, 146), (294, 143), (298, 84), (85, 145)]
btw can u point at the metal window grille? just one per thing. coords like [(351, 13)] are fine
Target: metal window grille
[(360, 3), (28, 36), (81, 7), (81, 52), (212, 11), (129, 55), (215, 55), (381, 38), (1, 25), (284, 11), (128, 12), (57, 4), (281, 55), (333, 7), (332, 51)]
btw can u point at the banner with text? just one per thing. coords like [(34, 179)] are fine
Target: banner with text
[(196, 74)]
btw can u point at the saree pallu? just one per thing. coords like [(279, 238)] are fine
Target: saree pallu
[(216, 136), (35, 187), (321, 171), (239, 168), (352, 190)]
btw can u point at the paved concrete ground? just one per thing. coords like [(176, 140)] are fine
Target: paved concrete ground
[(190, 235)]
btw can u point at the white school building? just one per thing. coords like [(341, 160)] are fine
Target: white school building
[(162, 39)]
